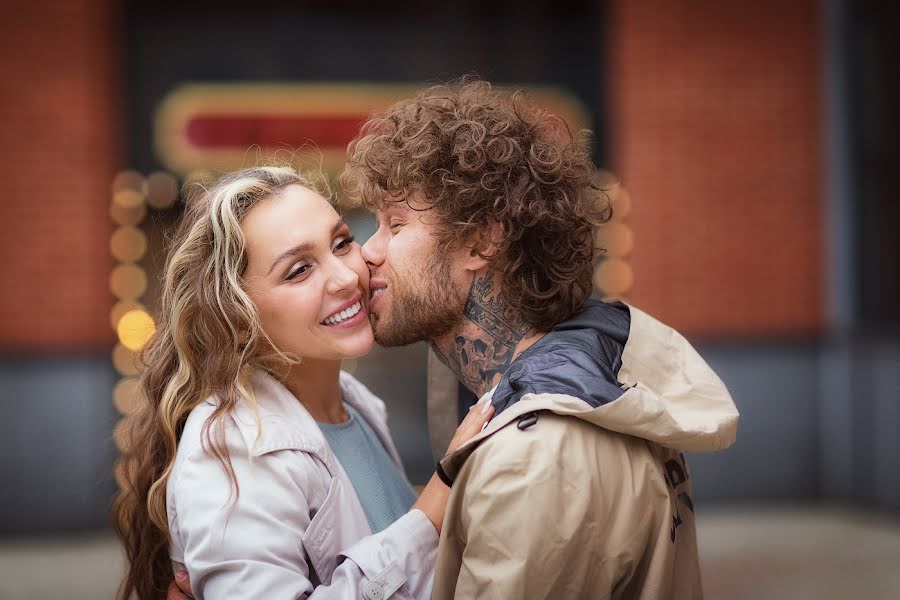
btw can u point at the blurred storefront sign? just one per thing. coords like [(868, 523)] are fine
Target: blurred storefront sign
[(201, 126)]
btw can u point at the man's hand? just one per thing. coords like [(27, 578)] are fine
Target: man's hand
[(180, 588)]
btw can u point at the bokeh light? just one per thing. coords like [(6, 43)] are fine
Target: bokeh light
[(127, 282), (126, 396), (125, 360), (120, 308), (162, 190), (135, 328), (615, 238), (128, 244), (128, 198), (621, 202), (127, 215), (128, 180), (613, 276)]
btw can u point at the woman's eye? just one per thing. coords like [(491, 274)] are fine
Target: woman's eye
[(344, 243), (296, 271), (394, 226)]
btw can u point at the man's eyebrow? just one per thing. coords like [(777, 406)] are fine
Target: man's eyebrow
[(301, 248)]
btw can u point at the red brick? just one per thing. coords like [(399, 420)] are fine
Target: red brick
[(59, 116), (715, 119)]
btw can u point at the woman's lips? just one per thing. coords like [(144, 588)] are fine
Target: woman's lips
[(361, 316), (348, 315)]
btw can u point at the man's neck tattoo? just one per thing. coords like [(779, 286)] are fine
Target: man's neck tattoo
[(480, 355)]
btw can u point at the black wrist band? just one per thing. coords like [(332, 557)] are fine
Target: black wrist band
[(441, 475)]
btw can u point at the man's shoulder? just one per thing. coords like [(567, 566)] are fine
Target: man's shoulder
[(560, 465), (545, 444)]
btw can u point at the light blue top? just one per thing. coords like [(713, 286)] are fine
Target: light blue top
[(383, 490)]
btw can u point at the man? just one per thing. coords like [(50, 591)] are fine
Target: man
[(577, 488)]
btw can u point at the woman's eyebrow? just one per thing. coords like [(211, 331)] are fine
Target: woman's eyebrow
[(301, 248)]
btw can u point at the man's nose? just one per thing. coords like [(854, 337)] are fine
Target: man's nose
[(374, 248)]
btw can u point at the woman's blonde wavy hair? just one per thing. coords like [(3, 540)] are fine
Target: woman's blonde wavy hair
[(207, 340)]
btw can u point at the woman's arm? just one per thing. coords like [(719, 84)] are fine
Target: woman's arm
[(433, 499), (254, 548)]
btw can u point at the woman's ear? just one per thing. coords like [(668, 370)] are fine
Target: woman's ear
[(243, 339)]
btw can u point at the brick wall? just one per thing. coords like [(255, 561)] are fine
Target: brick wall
[(715, 120), (59, 124)]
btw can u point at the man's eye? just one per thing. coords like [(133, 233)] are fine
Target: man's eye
[(296, 271)]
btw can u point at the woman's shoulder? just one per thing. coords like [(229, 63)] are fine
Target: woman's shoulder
[(191, 439), (202, 436), (206, 491), (259, 446), (271, 420)]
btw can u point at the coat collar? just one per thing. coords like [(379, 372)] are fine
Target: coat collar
[(667, 395), (284, 423), (277, 421)]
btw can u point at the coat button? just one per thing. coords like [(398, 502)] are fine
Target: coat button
[(526, 421), (373, 591)]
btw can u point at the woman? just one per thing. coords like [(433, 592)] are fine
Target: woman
[(255, 462)]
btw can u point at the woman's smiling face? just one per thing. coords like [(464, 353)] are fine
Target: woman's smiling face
[(306, 276)]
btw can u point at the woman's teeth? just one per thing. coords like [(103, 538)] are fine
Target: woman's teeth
[(343, 315)]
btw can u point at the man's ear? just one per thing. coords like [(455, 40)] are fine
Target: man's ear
[(482, 245)]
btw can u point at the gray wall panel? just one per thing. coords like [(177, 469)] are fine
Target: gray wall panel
[(881, 373), (775, 455), (56, 450), (815, 422), (836, 417)]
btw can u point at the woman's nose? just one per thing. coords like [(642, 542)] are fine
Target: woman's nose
[(342, 277)]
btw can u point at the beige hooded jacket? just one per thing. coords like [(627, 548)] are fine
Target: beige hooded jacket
[(558, 498)]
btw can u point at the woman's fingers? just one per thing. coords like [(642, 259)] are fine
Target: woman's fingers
[(479, 414), (180, 587)]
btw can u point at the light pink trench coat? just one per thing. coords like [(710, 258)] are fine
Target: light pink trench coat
[(297, 529)]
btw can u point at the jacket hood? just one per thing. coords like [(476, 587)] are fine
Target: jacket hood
[(618, 368)]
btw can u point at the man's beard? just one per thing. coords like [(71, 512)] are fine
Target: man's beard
[(421, 312)]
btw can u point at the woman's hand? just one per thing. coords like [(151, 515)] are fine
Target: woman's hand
[(479, 414), (433, 500), (180, 587)]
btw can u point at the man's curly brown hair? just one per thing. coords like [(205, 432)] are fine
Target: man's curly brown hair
[(481, 158)]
